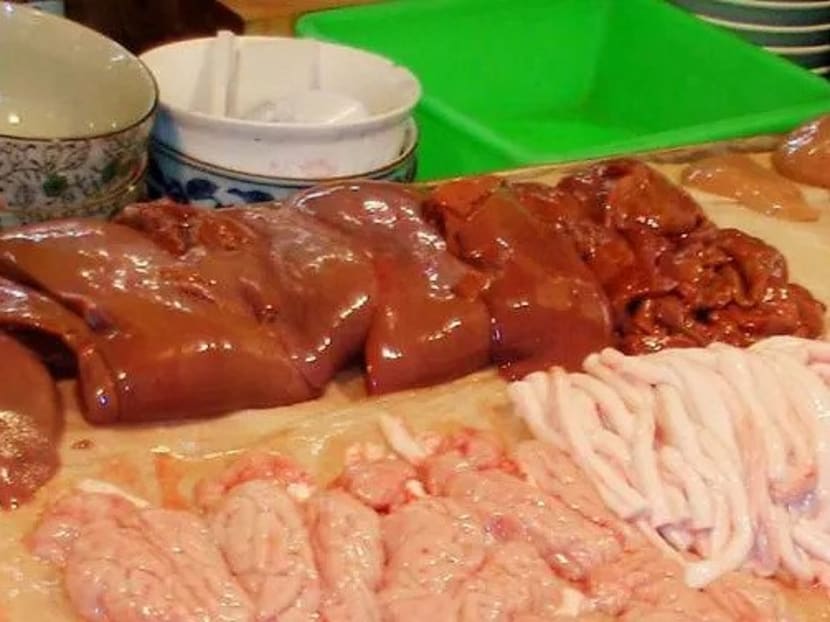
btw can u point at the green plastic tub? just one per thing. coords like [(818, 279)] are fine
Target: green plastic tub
[(518, 82)]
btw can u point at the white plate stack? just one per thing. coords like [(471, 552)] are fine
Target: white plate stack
[(798, 30)]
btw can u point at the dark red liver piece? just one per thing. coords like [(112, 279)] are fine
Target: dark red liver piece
[(178, 342), (547, 307), (299, 276), (429, 325), (30, 424)]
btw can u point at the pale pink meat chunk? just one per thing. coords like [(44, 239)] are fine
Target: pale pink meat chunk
[(346, 539), (432, 546), (750, 598), (261, 532), (514, 580), (123, 564), (512, 509), (554, 473), (63, 521), (380, 484), (642, 584), (468, 450)]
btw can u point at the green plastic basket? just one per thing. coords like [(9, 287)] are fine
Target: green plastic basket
[(518, 82)]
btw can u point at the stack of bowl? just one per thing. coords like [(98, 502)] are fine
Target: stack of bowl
[(798, 30), (251, 119), (76, 111)]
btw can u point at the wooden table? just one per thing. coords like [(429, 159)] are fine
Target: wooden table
[(277, 17)]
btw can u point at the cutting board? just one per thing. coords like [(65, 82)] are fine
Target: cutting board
[(316, 433)]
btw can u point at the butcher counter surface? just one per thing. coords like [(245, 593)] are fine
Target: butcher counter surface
[(161, 461)]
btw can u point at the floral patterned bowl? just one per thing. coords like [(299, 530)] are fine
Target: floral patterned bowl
[(177, 176), (74, 125), (133, 190)]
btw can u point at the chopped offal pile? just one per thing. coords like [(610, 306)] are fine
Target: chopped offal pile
[(689, 484)]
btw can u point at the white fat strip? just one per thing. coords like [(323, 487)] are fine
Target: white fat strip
[(701, 356), (725, 423), (810, 537), (645, 467), (823, 370), (611, 407), (818, 350), (738, 548), (401, 440), (704, 399), (795, 347), (722, 527), (612, 446), (812, 402), (570, 407), (701, 506), (637, 367), (793, 557), (679, 506), (106, 488), (766, 551), (769, 382), (532, 412), (681, 432), (539, 382), (629, 395), (733, 366)]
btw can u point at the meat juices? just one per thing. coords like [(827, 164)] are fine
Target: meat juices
[(134, 296), (429, 326), (739, 177), (545, 304), (804, 154), (30, 424)]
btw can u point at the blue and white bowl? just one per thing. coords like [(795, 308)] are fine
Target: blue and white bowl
[(184, 179)]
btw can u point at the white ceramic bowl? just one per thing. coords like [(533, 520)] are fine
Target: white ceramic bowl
[(269, 68), (75, 115), (174, 175)]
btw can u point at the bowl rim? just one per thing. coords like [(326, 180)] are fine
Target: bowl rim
[(798, 50), (219, 122), (409, 148), (85, 137), (779, 4), (753, 27)]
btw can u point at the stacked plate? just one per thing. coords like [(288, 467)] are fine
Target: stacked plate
[(798, 30)]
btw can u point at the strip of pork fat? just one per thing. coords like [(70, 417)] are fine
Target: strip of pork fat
[(740, 449)]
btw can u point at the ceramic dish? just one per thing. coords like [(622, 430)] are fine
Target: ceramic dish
[(809, 57), (769, 12), (74, 124), (269, 69), (780, 36), (187, 180), (132, 190)]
